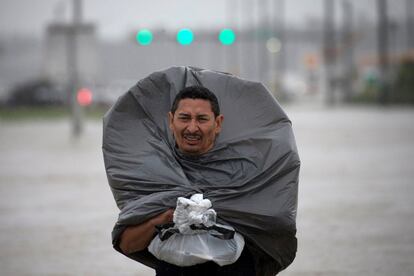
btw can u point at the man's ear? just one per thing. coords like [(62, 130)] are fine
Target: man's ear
[(219, 122), (170, 119)]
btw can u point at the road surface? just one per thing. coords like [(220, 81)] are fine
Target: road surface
[(355, 213)]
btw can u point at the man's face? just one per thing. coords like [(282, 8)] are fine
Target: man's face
[(194, 126)]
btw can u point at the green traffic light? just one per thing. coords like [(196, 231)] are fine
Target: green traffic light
[(227, 37), (144, 37), (185, 36)]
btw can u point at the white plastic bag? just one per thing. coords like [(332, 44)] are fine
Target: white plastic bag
[(195, 237), (193, 211), (191, 249)]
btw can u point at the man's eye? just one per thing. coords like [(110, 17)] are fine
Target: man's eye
[(203, 119), (184, 118)]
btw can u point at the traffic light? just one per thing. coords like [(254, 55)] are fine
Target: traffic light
[(84, 97), (185, 36), (144, 37), (227, 36)]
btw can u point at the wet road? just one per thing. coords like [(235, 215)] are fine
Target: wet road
[(355, 215)]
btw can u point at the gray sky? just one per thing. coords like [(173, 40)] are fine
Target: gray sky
[(115, 18)]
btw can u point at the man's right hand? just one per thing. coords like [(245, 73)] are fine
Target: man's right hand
[(138, 237), (163, 218)]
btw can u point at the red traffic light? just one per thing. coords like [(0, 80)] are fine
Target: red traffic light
[(84, 97)]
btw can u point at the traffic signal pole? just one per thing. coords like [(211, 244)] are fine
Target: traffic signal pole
[(409, 8), (329, 50), (231, 50), (72, 62), (383, 63), (281, 66), (348, 50), (263, 29)]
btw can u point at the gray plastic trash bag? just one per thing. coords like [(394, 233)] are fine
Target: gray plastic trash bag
[(250, 176)]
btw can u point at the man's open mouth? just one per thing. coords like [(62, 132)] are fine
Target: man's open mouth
[(192, 139)]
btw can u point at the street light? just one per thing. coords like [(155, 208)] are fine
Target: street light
[(273, 45)]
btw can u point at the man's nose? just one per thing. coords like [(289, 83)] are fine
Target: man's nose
[(192, 126)]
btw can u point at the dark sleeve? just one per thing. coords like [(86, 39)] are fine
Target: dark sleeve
[(144, 256)]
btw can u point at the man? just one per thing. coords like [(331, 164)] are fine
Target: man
[(250, 174), (195, 121)]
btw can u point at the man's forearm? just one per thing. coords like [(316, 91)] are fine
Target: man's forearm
[(138, 237)]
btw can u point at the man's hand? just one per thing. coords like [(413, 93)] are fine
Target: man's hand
[(162, 218), (138, 237)]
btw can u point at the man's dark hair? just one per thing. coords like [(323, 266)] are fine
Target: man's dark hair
[(197, 92)]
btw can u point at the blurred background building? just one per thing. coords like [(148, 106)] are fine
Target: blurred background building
[(331, 51)]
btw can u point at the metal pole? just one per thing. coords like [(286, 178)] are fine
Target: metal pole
[(329, 51), (266, 55), (226, 59), (76, 112), (383, 62), (348, 49), (255, 49), (240, 38), (282, 54), (263, 35), (230, 51), (248, 59), (272, 58), (233, 50), (409, 8), (250, 39)]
